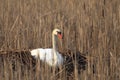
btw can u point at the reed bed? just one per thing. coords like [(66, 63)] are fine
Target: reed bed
[(89, 26)]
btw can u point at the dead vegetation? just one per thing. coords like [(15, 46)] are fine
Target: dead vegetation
[(89, 26)]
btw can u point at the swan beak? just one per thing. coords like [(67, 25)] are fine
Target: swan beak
[(60, 36)]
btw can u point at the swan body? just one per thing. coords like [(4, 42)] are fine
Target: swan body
[(50, 55), (47, 56)]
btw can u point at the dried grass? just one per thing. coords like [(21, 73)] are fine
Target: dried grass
[(89, 26)]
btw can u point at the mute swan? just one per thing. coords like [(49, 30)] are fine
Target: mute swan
[(54, 58), (50, 55)]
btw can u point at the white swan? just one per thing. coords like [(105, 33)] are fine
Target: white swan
[(50, 55)]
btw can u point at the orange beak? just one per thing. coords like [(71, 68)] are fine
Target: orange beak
[(60, 36)]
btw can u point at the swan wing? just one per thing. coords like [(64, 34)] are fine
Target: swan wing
[(47, 56), (43, 54)]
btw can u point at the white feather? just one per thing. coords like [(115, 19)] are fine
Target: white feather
[(47, 56)]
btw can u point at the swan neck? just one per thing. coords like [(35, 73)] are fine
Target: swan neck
[(54, 48), (54, 43)]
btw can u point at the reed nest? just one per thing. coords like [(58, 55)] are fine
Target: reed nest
[(24, 58), (21, 56)]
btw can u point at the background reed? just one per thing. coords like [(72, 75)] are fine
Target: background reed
[(88, 26)]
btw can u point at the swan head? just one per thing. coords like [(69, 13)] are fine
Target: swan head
[(57, 32)]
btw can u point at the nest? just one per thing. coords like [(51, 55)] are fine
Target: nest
[(23, 57)]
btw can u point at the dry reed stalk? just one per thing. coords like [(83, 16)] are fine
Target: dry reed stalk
[(87, 25)]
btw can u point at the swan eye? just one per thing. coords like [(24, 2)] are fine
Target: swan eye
[(58, 32)]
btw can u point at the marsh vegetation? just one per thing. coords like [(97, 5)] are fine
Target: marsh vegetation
[(89, 26)]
